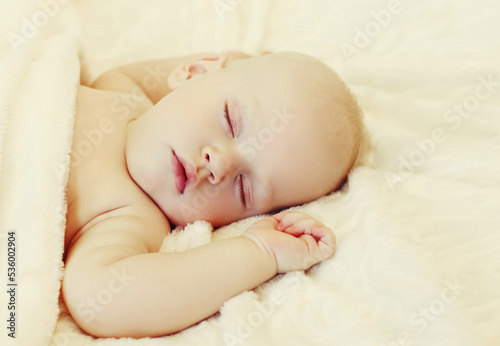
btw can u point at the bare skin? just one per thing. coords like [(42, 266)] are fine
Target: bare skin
[(116, 283)]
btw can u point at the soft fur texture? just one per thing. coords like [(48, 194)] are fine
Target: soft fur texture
[(39, 75), (418, 259)]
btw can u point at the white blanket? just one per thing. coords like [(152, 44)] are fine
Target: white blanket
[(39, 75), (418, 259)]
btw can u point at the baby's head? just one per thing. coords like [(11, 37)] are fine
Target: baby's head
[(242, 136)]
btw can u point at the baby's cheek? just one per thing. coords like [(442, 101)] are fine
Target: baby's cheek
[(217, 211)]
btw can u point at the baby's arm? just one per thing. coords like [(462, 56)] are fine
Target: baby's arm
[(114, 287), (149, 76)]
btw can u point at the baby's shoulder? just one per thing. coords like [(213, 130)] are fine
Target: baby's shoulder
[(120, 103)]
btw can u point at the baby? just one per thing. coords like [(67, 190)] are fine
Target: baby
[(210, 137)]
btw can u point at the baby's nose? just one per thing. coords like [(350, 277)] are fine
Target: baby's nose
[(219, 163)]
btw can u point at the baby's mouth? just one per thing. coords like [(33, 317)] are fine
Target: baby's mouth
[(179, 173)]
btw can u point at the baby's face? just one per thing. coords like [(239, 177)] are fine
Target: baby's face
[(244, 139)]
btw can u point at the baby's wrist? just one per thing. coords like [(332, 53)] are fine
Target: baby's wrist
[(264, 253)]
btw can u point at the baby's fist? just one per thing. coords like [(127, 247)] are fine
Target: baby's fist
[(296, 240)]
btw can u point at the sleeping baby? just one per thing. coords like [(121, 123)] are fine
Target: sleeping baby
[(218, 138)]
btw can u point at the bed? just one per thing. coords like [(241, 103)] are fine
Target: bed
[(417, 223)]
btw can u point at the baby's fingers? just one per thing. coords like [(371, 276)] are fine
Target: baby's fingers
[(296, 223), (323, 234), (325, 239), (290, 218)]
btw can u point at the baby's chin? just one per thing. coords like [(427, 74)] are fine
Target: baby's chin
[(214, 221), (175, 220), (180, 220)]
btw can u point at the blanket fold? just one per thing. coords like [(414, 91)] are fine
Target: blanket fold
[(39, 75)]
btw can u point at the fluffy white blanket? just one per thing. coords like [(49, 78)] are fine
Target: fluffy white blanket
[(39, 75), (418, 259)]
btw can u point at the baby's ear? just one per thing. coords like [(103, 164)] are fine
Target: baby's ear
[(196, 67)]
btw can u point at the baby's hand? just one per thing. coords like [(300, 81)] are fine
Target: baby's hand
[(296, 240)]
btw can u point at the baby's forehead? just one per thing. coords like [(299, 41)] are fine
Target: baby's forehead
[(310, 75), (308, 88)]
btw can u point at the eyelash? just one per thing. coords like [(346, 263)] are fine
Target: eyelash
[(241, 190), (228, 119)]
